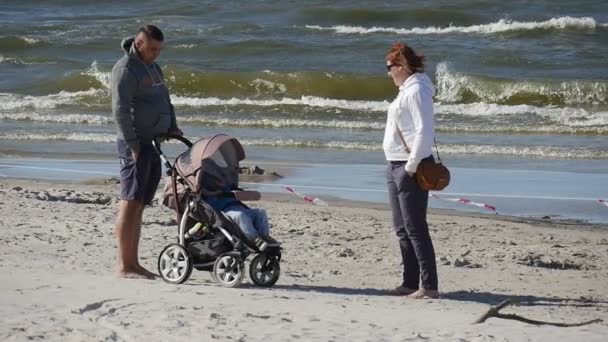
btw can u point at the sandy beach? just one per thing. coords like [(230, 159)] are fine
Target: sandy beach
[(58, 254), (520, 117)]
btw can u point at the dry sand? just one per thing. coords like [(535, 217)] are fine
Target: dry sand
[(58, 254)]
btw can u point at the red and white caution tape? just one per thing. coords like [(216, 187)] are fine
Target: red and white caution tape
[(466, 201), (603, 202), (306, 198)]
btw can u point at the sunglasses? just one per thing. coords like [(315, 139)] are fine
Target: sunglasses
[(388, 67)]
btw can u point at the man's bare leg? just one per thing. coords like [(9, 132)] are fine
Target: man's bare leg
[(128, 230), (137, 232)]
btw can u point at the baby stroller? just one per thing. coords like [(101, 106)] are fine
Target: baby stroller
[(207, 239)]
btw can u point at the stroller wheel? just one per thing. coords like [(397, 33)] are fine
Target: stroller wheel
[(229, 270), (264, 270), (175, 264)]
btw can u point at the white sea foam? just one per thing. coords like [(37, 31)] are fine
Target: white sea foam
[(311, 101), (343, 145), (553, 152), (569, 125), (20, 61), (503, 25), (185, 46), (262, 86), (567, 116), (575, 117), (506, 128), (575, 127), (281, 123), (10, 60), (451, 87), (86, 137), (58, 118), (528, 151), (101, 76), (560, 119), (11, 102), (30, 40)]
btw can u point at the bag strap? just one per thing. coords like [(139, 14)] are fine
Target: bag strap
[(407, 148), (400, 134)]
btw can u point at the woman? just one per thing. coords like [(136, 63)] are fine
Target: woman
[(408, 140)]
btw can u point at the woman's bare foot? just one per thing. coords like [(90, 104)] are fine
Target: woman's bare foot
[(424, 293), (400, 291)]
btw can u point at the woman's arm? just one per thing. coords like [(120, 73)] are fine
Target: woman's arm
[(420, 106)]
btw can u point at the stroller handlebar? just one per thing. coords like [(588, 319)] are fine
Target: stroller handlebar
[(247, 195), (156, 145)]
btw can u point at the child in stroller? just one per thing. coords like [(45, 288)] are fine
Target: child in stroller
[(253, 222), (216, 230)]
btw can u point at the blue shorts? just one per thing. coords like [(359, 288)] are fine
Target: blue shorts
[(138, 178)]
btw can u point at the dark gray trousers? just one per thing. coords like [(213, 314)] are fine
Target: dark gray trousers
[(409, 204)]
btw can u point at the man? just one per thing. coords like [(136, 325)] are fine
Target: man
[(142, 109)]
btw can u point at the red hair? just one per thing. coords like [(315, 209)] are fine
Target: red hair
[(403, 54)]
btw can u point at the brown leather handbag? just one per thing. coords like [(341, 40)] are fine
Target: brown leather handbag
[(430, 175)]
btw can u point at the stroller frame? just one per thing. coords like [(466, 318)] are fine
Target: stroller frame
[(177, 260)]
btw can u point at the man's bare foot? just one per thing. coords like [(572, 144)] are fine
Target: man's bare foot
[(424, 293), (135, 273), (400, 291), (147, 273)]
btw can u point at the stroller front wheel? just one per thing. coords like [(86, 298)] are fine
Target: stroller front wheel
[(264, 270), (175, 264), (229, 270)]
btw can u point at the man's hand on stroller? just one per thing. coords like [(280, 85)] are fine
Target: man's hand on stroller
[(135, 149), (172, 131)]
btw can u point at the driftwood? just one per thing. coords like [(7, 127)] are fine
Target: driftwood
[(494, 312)]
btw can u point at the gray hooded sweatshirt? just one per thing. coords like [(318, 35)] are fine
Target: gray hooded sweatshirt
[(140, 100)]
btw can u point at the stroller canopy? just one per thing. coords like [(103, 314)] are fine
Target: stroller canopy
[(211, 163)]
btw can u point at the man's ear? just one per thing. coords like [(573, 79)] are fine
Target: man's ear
[(138, 43)]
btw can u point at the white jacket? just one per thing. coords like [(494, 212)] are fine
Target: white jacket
[(413, 111)]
